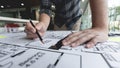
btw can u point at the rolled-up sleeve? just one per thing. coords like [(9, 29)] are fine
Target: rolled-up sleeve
[(45, 7)]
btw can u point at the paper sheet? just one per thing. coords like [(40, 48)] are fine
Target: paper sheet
[(47, 43), (31, 59), (8, 50), (50, 38), (36, 58)]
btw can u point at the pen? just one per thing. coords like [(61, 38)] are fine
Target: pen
[(58, 59), (53, 65), (18, 54), (59, 44), (37, 32)]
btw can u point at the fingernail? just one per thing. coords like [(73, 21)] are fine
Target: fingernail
[(89, 45), (65, 43), (73, 44)]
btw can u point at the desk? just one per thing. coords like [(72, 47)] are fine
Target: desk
[(18, 52), (114, 36)]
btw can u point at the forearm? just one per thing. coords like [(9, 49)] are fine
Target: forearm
[(45, 19), (99, 14)]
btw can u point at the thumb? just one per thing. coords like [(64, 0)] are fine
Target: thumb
[(40, 28)]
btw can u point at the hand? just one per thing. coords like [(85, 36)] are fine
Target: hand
[(90, 37), (31, 31)]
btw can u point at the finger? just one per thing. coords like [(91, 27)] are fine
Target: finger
[(30, 36), (91, 43), (70, 40), (82, 40), (73, 34), (71, 37), (96, 40), (29, 33), (78, 34), (30, 28)]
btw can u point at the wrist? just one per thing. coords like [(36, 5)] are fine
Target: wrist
[(101, 29), (44, 25)]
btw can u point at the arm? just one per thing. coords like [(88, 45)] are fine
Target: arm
[(45, 11), (99, 14), (99, 30), (44, 20)]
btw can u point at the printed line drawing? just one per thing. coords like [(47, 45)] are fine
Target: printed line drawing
[(7, 65), (28, 62)]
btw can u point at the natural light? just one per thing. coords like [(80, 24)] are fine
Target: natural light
[(113, 3)]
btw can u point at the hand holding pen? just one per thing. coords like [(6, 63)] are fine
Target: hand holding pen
[(30, 30), (39, 36)]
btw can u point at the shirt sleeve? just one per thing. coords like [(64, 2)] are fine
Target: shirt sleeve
[(45, 7)]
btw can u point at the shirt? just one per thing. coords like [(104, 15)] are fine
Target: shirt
[(67, 11)]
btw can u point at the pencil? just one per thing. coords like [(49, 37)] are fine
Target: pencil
[(37, 32)]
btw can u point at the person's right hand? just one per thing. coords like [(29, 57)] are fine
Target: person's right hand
[(31, 31)]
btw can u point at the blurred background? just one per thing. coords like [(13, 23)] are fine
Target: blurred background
[(23, 9)]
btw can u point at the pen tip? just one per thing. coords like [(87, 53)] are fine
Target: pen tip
[(42, 42)]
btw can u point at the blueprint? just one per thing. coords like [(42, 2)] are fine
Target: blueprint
[(16, 51)]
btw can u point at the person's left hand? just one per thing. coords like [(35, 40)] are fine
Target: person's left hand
[(90, 37)]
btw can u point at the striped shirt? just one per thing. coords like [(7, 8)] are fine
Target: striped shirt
[(67, 11)]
